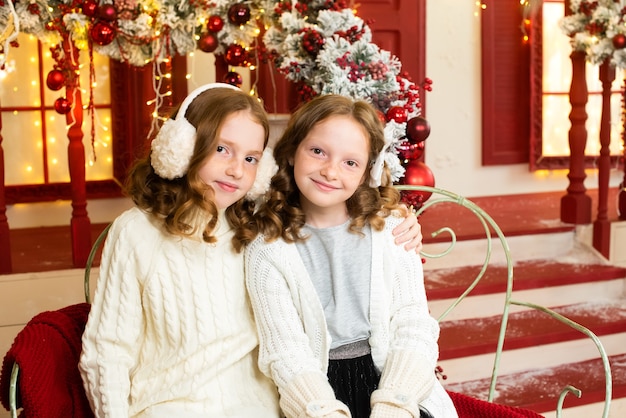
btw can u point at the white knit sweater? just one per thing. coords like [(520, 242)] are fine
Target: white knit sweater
[(171, 332), (294, 342)]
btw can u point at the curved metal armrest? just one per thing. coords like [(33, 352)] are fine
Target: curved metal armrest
[(13, 390), (605, 360), (490, 225), (92, 254)]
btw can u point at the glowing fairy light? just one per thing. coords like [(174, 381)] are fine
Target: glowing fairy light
[(480, 6)]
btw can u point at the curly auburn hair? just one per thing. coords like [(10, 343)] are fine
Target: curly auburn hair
[(282, 216), (179, 201)]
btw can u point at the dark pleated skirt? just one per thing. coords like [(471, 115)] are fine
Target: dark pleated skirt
[(353, 381)]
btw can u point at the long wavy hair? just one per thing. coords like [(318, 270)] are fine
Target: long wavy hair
[(282, 215), (179, 202)]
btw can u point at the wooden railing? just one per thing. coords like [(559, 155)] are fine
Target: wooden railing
[(576, 204), (602, 226), (80, 223)]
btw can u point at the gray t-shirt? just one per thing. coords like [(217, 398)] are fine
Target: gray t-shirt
[(339, 264)]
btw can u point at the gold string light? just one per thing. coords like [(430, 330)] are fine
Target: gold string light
[(529, 7), (480, 6)]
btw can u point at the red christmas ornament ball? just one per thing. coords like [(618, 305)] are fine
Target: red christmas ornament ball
[(238, 14), (619, 41), (55, 80), (233, 78), (102, 33), (417, 129), (236, 55), (208, 42), (90, 8), (215, 23), (107, 12), (62, 105), (397, 113), (409, 151), (417, 173)]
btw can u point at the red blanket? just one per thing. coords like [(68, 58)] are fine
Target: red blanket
[(468, 407), (47, 351)]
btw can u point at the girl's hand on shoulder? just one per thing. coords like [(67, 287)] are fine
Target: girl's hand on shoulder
[(409, 233)]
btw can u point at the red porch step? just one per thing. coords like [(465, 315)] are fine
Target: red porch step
[(539, 389), (533, 274), (468, 337)]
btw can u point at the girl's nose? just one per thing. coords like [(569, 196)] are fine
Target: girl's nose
[(235, 168), (329, 170)]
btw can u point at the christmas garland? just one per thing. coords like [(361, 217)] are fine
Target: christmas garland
[(598, 28), (321, 45), (139, 31)]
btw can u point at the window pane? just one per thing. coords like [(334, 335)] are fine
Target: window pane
[(56, 133), (557, 76), (594, 113), (22, 144), (557, 67), (23, 131), (23, 89), (100, 164), (555, 124), (101, 89)]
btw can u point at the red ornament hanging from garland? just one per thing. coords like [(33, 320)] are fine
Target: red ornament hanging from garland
[(215, 23), (107, 12), (397, 113), (236, 55), (55, 80), (239, 14), (417, 130), (417, 174), (102, 33), (90, 8), (208, 42), (619, 41), (62, 105), (233, 78)]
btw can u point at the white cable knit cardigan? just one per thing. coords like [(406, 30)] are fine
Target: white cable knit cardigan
[(171, 332), (294, 342)]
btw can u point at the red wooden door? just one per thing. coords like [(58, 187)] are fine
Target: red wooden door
[(399, 26)]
